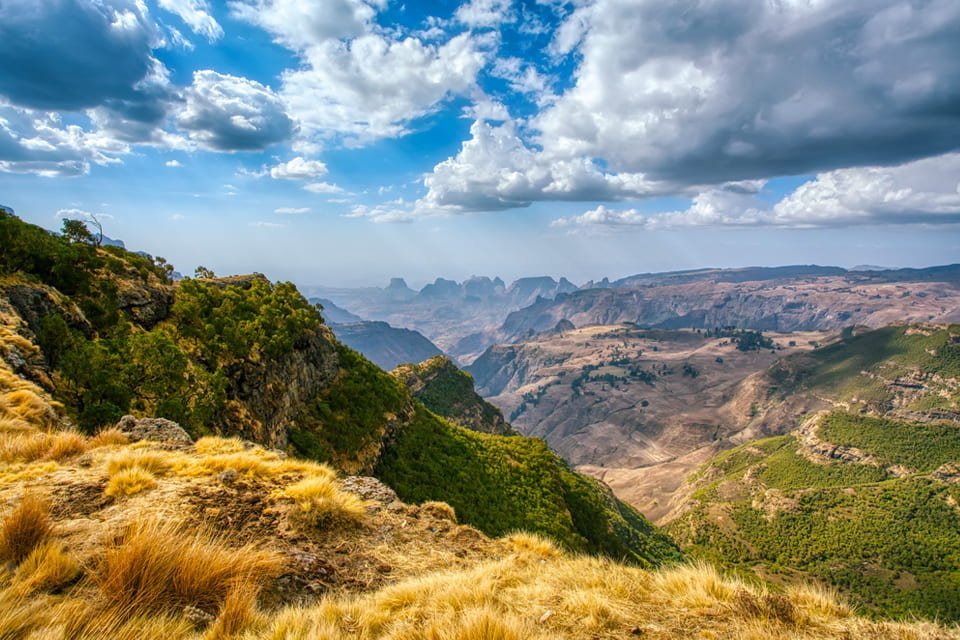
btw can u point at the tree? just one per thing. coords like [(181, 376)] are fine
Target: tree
[(203, 272), (77, 231)]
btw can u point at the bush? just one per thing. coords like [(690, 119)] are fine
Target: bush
[(130, 481)]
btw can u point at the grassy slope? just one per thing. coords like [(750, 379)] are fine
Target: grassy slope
[(890, 544), (512, 483), (835, 370)]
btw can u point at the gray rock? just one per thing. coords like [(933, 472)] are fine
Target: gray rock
[(154, 429)]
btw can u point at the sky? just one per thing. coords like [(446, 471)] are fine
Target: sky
[(343, 142)]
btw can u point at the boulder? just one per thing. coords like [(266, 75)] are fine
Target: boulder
[(154, 429)]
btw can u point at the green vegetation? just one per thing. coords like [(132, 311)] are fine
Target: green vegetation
[(448, 391), (891, 545), (923, 447), (501, 484), (905, 362), (349, 415)]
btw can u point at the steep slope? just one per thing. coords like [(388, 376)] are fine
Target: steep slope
[(241, 356), (868, 505), (448, 392), (334, 314), (384, 345)]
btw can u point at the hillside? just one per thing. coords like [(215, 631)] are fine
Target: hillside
[(868, 505), (384, 345), (99, 538), (448, 392), (107, 334)]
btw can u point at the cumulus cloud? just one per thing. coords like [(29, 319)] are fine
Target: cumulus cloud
[(41, 144), (173, 164), (372, 87), (738, 89), (228, 113), (921, 192), (291, 211), (196, 15), (298, 169), (484, 13), (495, 170), (298, 25)]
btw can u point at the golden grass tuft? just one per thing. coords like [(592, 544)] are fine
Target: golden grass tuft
[(32, 445), (531, 543), (439, 510), (252, 463), (129, 481), (156, 462), (318, 501), (48, 568), (28, 406), (25, 528), (238, 613), (107, 438), (211, 445), (156, 567)]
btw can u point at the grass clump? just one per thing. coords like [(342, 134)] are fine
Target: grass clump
[(25, 528), (130, 481), (32, 445), (319, 501), (48, 568), (154, 462), (155, 567)]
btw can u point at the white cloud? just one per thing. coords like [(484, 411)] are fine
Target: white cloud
[(372, 87), (495, 170), (736, 89), (40, 144), (485, 13), (260, 224), (228, 113), (292, 211), (173, 164), (298, 25), (196, 15), (921, 192), (298, 169), (322, 187)]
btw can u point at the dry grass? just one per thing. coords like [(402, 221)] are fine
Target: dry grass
[(107, 438), (238, 613), (211, 445), (529, 596), (439, 510), (156, 462), (522, 542), (255, 463), (31, 445), (129, 481), (48, 568), (319, 501), (155, 567), (25, 528)]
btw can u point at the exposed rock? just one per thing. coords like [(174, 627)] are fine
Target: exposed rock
[(148, 305), (154, 429), (370, 488)]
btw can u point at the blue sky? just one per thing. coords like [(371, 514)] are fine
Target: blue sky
[(346, 141)]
